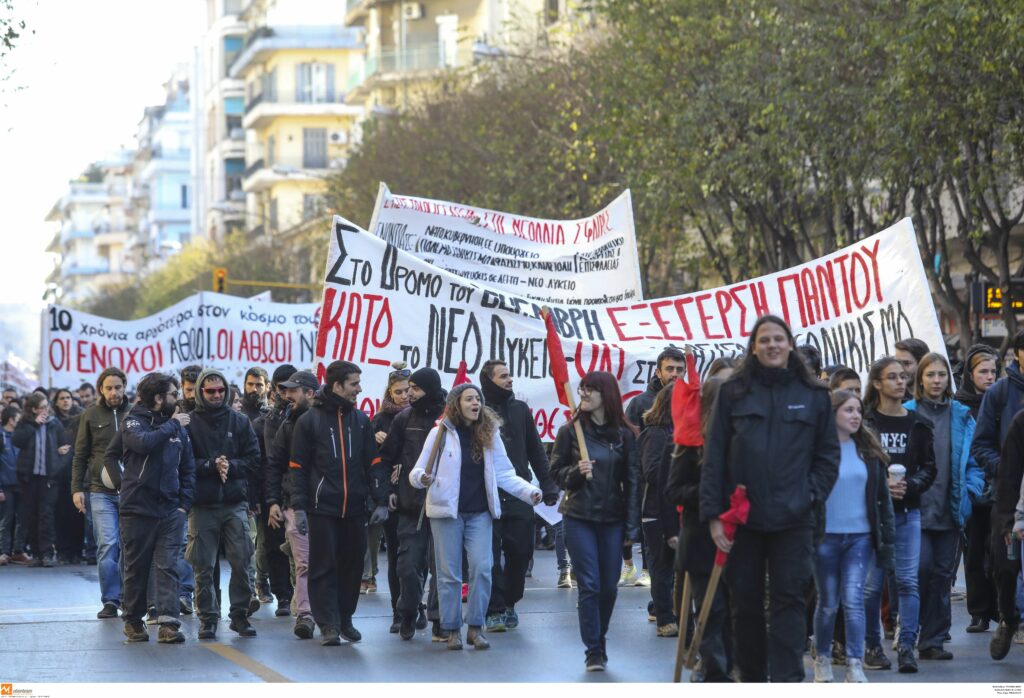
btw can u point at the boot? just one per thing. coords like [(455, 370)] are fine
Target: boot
[(455, 640), (475, 637)]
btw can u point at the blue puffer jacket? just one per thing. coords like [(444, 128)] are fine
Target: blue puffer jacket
[(967, 479)]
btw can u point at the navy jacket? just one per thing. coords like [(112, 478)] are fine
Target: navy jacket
[(999, 404), (159, 470)]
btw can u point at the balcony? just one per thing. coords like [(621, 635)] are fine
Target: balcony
[(265, 41), (72, 232), (54, 244), (260, 177), (416, 62), (359, 11), (262, 109), (91, 270)]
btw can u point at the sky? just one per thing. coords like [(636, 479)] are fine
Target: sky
[(76, 92)]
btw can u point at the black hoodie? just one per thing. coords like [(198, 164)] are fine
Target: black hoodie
[(403, 445), (641, 403), (334, 465)]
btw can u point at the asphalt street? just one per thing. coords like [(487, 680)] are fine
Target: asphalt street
[(49, 633)]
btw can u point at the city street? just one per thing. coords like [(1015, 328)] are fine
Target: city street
[(50, 634)]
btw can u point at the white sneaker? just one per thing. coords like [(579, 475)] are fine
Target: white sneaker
[(823, 670), (629, 575), (644, 580), (855, 671), (1018, 637)]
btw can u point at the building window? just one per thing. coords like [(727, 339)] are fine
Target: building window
[(312, 206), (314, 83), (447, 36), (273, 215), (270, 151), (314, 148), (184, 196), (551, 11)]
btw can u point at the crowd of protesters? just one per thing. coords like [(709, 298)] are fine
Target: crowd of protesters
[(864, 499)]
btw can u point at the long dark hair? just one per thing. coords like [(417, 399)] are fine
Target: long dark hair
[(743, 378), (872, 397), (868, 446), (611, 399), (660, 414)]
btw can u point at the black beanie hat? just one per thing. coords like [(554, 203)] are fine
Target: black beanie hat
[(428, 380)]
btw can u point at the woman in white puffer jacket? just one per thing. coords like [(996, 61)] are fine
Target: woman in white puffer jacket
[(462, 504)]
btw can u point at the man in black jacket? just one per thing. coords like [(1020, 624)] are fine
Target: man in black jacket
[(226, 453), (513, 532), (157, 490), (399, 453), (297, 391), (334, 470), (94, 495)]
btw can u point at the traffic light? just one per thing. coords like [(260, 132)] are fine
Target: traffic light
[(220, 280)]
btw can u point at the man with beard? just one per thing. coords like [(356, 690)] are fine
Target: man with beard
[(226, 453), (157, 489), (334, 470), (189, 376), (399, 453), (298, 392), (95, 496), (513, 532)]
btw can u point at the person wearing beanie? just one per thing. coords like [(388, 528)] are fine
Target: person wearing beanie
[(335, 471), (226, 453), (462, 505), (399, 453), (513, 532)]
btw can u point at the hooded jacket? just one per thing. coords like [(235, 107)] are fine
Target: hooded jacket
[(96, 429), (639, 405), (1007, 489), (967, 394), (159, 470), (220, 431), (522, 445), (999, 404), (443, 496), (24, 438), (402, 448), (277, 487), (334, 467)]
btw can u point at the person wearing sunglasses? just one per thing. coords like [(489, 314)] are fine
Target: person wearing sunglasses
[(227, 454)]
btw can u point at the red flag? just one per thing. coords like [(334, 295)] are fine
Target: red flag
[(737, 515), (556, 359), (461, 375), (686, 407)]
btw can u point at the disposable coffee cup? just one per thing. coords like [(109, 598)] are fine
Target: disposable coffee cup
[(896, 473)]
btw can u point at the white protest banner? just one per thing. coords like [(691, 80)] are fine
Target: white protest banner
[(210, 329), (572, 262), (382, 304)]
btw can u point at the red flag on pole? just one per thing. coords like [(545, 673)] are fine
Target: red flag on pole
[(686, 407), (461, 375), (556, 360), (737, 515)]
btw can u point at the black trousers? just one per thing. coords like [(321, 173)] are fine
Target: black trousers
[(981, 587), (715, 644), (776, 654), (278, 568), (415, 557), (336, 550), (662, 563), (146, 542), (514, 538), (391, 542), (38, 500), (69, 523)]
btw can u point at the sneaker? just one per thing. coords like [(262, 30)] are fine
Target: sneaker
[(563, 580), (495, 623), (644, 580), (465, 593), (20, 559), (668, 630), (838, 654), (823, 670), (363, 586), (207, 630), (906, 661), (421, 618), (957, 595), (4, 559), (511, 619), (185, 606), (475, 637), (407, 628), (109, 610), (629, 576), (264, 596), (455, 639), (243, 627), (371, 586), (304, 628), (135, 631), (329, 636), (651, 615), (151, 616), (1018, 637), (170, 635), (999, 646), (349, 632), (436, 633), (396, 624), (596, 662), (979, 624), (934, 653), (254, 605), (283, 608), (855, 672), (874, 658)]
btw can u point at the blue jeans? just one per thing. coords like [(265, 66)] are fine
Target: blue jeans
[(596, 550), (840, 567), (107, 529), (908, 556), (474, 533)]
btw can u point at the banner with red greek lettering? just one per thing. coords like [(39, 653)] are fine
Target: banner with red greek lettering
[(209, 329), (572, 262), (383, 304)]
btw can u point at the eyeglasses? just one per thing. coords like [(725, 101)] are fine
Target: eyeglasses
[(400, 373), (214, 391), (587, 390)]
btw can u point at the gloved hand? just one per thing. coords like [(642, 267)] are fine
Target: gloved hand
[(551, 498), (379, 515), (301, 522)]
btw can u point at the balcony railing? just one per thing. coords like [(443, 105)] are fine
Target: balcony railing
[(253, 168), (417, 58), (292, 98)]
